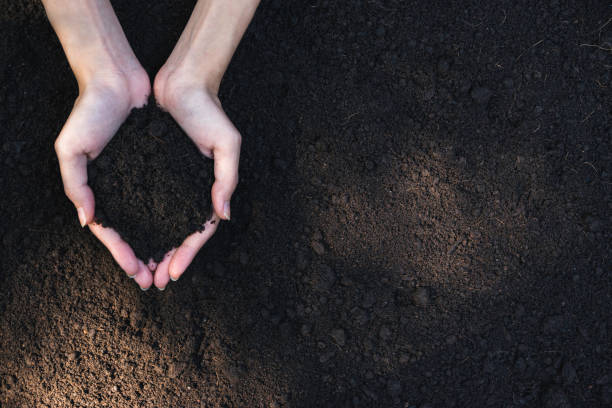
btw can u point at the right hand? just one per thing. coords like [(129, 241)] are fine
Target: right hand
[(100, 109), (199, 113)]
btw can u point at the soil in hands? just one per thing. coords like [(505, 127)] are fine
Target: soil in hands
[(151, 183)]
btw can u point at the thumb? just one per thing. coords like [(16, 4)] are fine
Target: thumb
[(73, 169), (227, 157)]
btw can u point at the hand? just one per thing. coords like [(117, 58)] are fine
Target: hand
[(187, 87), (198, 111), (111, 83), (101, 107)]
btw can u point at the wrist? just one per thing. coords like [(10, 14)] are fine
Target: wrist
[(92, 39), (187, 74), (209, 40)]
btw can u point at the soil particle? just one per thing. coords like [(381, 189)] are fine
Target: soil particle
[(555, 397), (318, 248), (326, 356), (219, 269), (368, 300), (481, 95), (421, 297), (10, 381), (244, 258), (553, 324), (136, 317), (324, 278), (385, 333), (606, 395), (339, 336), (569, 373), (175, 368), (394, 387), (443, 66)]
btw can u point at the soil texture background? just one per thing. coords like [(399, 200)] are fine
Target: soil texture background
[(151, 183), (423, 217)]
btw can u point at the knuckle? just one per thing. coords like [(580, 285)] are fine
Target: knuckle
[(60, 148), (68, 191), (234, 137), (234, 140), (69, 194)]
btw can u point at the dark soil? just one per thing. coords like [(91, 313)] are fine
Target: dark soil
[(423, 217), (152, 184)]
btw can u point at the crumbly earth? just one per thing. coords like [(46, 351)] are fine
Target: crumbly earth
[(151, 183), (423, 217)]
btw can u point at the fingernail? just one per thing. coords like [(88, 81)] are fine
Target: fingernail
[(82, 217), (162, 289), (144, 290), (173, 280), (226, 210), (132, 276)]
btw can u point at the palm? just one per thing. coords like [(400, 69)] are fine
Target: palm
[(96, 113)]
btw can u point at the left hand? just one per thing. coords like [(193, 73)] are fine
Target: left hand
[(198, 111)]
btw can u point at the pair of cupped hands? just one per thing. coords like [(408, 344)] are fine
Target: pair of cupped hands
[(103, 104)]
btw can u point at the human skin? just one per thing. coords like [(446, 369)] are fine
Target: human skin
[(187, 86), (112, 82)]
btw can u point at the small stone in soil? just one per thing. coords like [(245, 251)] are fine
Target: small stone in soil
[(244, 258), (606, 395), (443, 66), (368, 300), (481, 95), (385, 333), (555, 397), (175, 369), (318, 247), (420, 297), (339, 336), (325, 357), (219, 269), (394, 387), (325, 279), (569, 373)]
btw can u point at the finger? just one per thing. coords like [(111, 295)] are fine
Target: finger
[(119, 249), (73, 168), (227, 157), (190, 247), (162, 277), (143, 277)]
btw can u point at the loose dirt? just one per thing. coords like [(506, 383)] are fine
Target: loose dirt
[(152, 184)]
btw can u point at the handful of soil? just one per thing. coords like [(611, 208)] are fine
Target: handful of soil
[(152, 184)]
